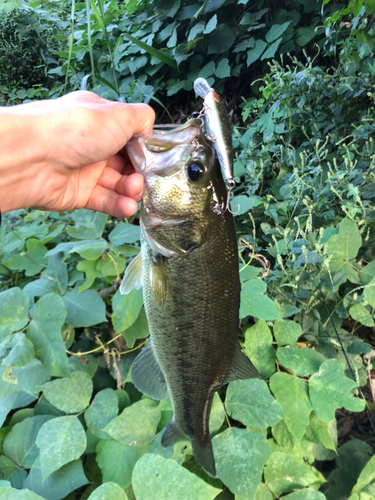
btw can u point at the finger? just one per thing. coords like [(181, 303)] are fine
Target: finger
[(109, 202), (125, 185), (117, 162)]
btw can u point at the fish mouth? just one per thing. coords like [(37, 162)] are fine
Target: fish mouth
[(143, 150)]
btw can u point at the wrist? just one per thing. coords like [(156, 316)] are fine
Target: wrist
[(19, 157)]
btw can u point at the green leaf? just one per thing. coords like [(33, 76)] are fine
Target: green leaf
[(320, 432), (283, 473), (89, 268), (292, 395), (287, 443), (276, 31), (359, 313), (60, 440), (102, 410), (16, 350), (258, 346), (286, 331), (152, 51), (70, 395), (25, 378), (223, 69), (221, 39), (369, 293), (305, 494), (366, 477), (352, 459), (136, 425), (255, 303), (117, 461), (58, 484), (44, 332), (57, 270), (84, 309), (89, 249), (211, 25), (108, 491), (344, 246), (263, 493), (217, 415), (302, 362), (126, 309), (245, 203), (14, 311), (249, 272), (255, 53), (11, 472), (40, 287), (32, 261), (250, 402), (124, 233), (19, 445), (138, 330), (330, 390), (271, 50), (89, 225), (87, 363), (304, 36), (232, 449), (163, 479), (111, 265), (13, 494)]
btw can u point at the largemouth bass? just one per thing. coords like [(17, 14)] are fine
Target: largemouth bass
[(188, 268)]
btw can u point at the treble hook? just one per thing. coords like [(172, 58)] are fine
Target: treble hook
[(230, 184)]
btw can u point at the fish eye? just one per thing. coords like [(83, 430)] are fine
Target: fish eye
[(194, 171)]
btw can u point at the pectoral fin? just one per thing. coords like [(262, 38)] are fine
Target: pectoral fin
[(133, 276), (241, 368), (147, 376), (158, 283)]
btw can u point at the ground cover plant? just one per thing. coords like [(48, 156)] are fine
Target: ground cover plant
[(72, 424)]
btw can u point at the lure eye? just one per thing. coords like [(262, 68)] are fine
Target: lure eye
[(194, 171)]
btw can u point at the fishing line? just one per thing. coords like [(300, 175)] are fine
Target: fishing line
[(347, 361)]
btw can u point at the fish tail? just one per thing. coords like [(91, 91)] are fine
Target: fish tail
[(203, 454)]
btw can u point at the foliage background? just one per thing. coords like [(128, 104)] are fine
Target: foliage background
[(299, 81)]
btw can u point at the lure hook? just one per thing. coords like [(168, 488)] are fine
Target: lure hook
[(230, 184)]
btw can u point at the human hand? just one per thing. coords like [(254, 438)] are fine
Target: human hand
[(69, 153)]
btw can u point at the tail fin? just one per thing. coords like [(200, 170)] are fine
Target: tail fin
[(203, 454)]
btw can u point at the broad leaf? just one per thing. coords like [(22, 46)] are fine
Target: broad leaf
[(366, 477), (292, 395), (320, 432), (163, 479), (108, 491), (16, 350), (255, 303), (19, 445), (330, 390), (286, 331), (60, 440), (136, 425), (250, 402), (45, 333), (124, 233), (84, 309), (126, 309), (70, 395), (284, 473), (57, 485), (102, 410), (117, 461), (138, 330), (232, 449), (259, 347), (344, 246), (14, 311), (13, 494), (302, 362), (359, 313), (276, 31)]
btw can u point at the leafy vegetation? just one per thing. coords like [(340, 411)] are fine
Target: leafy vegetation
[(72, 424)]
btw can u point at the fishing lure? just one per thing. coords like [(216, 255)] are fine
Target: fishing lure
[(218, 130)]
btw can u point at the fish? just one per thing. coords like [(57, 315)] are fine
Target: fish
[(188, 268), (218, 127)]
